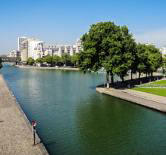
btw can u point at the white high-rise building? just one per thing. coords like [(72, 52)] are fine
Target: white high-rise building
[(78, 46), (30, 47), (20, 41), (23, 49), (35, 48)]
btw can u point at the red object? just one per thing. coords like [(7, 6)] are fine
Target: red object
[(34, 123)]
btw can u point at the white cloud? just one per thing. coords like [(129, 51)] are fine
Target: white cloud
[(157, 37)]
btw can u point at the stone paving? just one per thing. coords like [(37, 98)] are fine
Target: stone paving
[(15, 132), (148, 100)]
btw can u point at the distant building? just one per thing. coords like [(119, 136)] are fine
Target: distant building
[(163, 51), (150, 44), (63, 49), (78, 46), (49, 50), (23, 48), (20, 41), (35, 48), (14, 54), (30, 47)]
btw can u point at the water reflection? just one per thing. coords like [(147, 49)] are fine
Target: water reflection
[(107, 126)]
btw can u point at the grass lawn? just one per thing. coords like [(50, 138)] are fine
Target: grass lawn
[(156, 91), (161, 82)]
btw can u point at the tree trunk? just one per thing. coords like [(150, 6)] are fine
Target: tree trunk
[(131, 75), (107, 79), (122, 77), (112, 78), (139, 75), (151, 74)]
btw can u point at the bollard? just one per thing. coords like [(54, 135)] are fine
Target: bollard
[(34, 131)]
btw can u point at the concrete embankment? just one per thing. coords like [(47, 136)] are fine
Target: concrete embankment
[(49, 68), (15, 130), (145, 99)]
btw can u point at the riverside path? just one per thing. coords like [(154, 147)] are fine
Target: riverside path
[(15, 133), (145, 99)]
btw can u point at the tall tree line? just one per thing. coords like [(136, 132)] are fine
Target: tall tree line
[(113, 48), (55, 60)]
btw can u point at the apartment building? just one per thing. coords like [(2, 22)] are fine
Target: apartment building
[(14, 54), (35, 48), (30, 47)]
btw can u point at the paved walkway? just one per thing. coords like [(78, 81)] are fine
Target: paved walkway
[(15, 135), (148, 100)]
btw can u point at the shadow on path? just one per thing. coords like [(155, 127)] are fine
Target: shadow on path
[(132, 83)]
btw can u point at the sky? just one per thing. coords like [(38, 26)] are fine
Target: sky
[(64, 21)]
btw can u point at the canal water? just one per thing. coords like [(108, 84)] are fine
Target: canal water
[(73, 119)]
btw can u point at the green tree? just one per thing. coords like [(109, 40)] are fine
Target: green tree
[(107, 46), (142, 58), (30, 61), (154, 59), (164, 65), (149, 59), (75, 59), (99, 45), (66, 59), (39, 60), (57, 60), (48, 59), (126, 54)]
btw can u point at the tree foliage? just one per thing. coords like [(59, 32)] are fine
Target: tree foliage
[(48, 59), (108, 46), (154, 59), (113, 48), (149, 58), (164, 64), (39, 60), (55, 60), (66, 59), (30, 61), (75, 59)]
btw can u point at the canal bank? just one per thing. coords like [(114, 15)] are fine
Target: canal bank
[(15, 129), (145, 99), (49, 68)]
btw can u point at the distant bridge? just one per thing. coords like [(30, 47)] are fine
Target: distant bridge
[(8, 59)]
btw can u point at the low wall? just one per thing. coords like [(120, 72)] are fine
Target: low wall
[(15, 131), (141, 98)]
